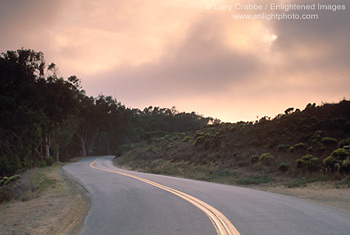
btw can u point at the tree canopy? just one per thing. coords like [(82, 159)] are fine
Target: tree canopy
[(44, 117)]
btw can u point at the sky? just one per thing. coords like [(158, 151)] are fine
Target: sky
[(195, 55)]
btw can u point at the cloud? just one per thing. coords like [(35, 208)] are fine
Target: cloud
[(21, 17), (178, 53), (201, 64)]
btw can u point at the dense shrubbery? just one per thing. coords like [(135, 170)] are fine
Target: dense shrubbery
[(308, 162), (339, 160)]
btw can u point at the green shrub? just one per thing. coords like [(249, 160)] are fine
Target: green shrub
[(283, 167), (266, 158), (123, 149), (344, 142), (308, 162), (7, 180), (329, 162), (201, 139), (345, 166), (310, 149), (300, 146), (338, 160), (292, 150), (254, 159), (328, 141), (283, 148), (3, 181), (12, 179), (187, 139), (49, 161), (41, 164), (340, 154)]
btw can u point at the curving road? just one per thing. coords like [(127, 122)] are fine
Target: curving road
[(126, 202)]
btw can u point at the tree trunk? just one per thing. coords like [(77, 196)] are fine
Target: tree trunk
[(83, 147), (57, 152), (47, 147)]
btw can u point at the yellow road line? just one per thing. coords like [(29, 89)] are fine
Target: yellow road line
[(222, 225)]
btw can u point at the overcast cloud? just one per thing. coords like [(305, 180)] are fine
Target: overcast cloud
[(178, 53)]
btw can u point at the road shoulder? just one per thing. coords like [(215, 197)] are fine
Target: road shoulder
[(60, 207)]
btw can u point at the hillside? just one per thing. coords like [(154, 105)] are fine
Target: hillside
[(312, 143)]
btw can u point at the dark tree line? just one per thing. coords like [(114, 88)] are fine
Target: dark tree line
[(46, 118)]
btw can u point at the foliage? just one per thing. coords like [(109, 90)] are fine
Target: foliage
[(7, 180), (41, 164), (46, 118), (328, 140), (283, 148), (283, 167), (266, 158), (286, 136), (302, 182), (300, 146), (339, 160), (344, 142), (254, 159), (308, 162), (254, 180)]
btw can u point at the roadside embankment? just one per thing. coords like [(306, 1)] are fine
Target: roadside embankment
[(55, 205)]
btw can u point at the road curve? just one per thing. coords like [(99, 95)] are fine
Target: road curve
[(126, 202)]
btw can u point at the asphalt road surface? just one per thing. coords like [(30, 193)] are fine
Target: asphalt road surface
[(125, 202)]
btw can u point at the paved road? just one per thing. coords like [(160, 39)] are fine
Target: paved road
[(124, 205)]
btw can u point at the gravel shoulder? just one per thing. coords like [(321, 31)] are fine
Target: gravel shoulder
[(59, 206)]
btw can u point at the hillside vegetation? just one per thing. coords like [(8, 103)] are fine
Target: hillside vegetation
[(312, 144)]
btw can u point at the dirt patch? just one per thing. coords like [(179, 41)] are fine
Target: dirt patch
[(321, 192), (58, 206)]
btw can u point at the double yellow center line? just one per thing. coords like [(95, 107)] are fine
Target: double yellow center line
[(222, 225)]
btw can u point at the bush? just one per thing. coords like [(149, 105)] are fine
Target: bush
[(344, 142), (201, 139), (283, 148), (187, 139), (49, 161), (123, 149), (266, 158), (300, 146), (338, 160), (254, 159), (308, 162), (41, 164), (283, 167), (340, 154), (328, 141), (292, 150)]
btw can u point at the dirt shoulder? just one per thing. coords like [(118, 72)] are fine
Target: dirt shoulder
[(326, 193), (57, 206)]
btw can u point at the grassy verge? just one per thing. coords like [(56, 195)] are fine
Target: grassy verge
[(30, 184), (206, 172), (220, 173), (302, 182)]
